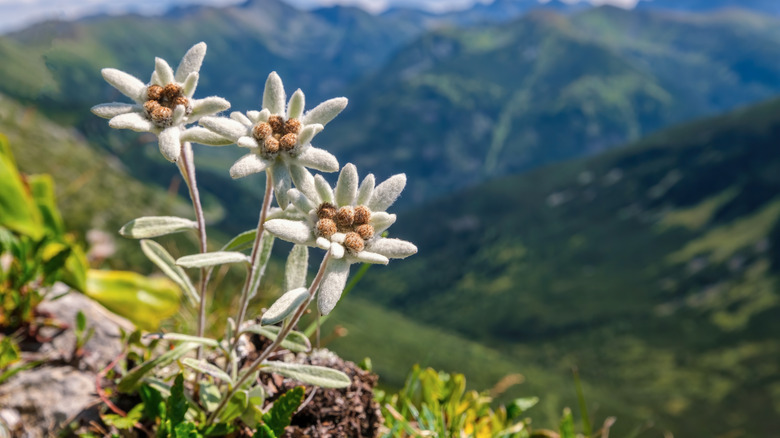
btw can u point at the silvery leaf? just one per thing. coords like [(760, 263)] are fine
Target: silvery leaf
[(311, 374), (273, 95), (333, 282), (191, 61), (318, 159), (291, 231), (207, 368), (247, 165), (295, 107), (285, 306), (346, 187), (133, 121), (170, 143), (110, 110), (155, 226), (163, 70), (212, 259), (386, 193), (326, 111), (126, 84)]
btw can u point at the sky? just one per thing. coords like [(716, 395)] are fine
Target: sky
[(17, 14)]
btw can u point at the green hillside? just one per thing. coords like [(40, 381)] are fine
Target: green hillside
[(653, 268), (460, 106)]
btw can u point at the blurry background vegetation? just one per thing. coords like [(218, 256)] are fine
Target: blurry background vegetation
[(590, 187)]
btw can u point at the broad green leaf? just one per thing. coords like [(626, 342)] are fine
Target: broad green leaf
[(296, 268), (519, 405), (254, 413), (177, 403), (207, 368), (42, 188), (156, 226), (209, 396), (18, 210), (186, 430), (76, 269), (312, 374), (263, 431), (9, 352), (160, 257), (295, 341), (567, 424), (235, 407), (211, 259), (125, 423), (283, 409), (285, 306), (144, 301), (241, 242), (184, 338), (133, 378)]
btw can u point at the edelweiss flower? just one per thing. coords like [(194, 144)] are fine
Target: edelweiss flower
[(279, 138), (348, 223), (164, 105)]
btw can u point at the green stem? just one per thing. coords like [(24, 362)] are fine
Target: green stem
[(286, 329)]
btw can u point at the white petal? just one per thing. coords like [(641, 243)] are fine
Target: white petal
[(178, 115), (225, 127), (323, 189), (282, 182), (170, 143), (248, 142), (134, 121), (198, 134), (156, 79), (292, 231), (323, 243), (258, 116), (273, 96), (336, 250), (386, 193), (371, 257), (240, 118), (308, 132), (300, 200), (110, 110), (346, 187), (163, 70), (303, 180), (206, 107), (381, 221), (190, 84), (393, 248), (326, 111), (333, 282), (128, 85), (318, 159), (191, 61), (366, 189), (295, 107), (247, 165)]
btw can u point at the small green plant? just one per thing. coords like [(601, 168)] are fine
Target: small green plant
[(215, 387), (434, 403)]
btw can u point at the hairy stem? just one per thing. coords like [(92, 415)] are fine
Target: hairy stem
[(187, 168), (286, 329), (254, 259)]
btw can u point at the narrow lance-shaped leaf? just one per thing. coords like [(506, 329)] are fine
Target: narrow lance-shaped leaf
[(160, 257), (207, 368), (241, 242), (296, 267), (212, 259), (295, 341), (129, 382), (312, 374), (155, 226), (285, 306), (184, 338)]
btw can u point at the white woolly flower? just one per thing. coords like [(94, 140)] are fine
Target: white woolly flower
[(348, 222), (164, 105), (279, 137)]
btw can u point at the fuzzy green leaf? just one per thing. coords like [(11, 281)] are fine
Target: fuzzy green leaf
[(295, 341), (133, 378), (207, 368), (311, 374), (211, 259), (296, 267), (285, 306), (241, 242), (160, 257), (156, 226)]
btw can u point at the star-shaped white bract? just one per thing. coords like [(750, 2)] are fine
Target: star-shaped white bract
[(164, 105), (348, 222), (279, 137)]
